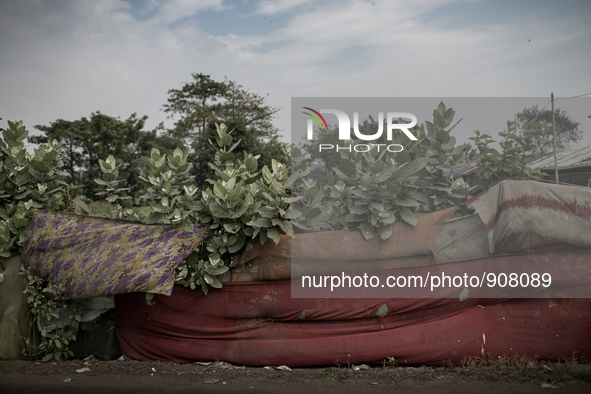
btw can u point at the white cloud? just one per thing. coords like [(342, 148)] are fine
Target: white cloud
[(275, 6), (67, 61), (173, 10)]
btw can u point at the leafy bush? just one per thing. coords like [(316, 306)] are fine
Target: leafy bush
[(170, 195), (27, 181), (242, 204), (110, 171), (439, 147), (511, 162), (375, 189), (372, 190), (48, 307)]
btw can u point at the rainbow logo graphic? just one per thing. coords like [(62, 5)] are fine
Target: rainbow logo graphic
[(315, 118)]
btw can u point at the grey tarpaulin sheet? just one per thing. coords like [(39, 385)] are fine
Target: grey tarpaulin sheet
[(526, 216), (461, 238), (15, 320)]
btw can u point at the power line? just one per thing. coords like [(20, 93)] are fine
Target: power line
[(546, 105), (566, 98)]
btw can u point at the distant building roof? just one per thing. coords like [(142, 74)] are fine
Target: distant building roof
[(464, 168), (570, 157)]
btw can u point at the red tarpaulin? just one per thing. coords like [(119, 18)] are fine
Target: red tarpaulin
[(258, 324)]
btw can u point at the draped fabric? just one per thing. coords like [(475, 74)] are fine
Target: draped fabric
[(96, 256)]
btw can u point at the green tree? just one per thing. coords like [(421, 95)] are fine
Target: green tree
[(88, 140), (202, 103), (533, 119), (197, 104), (247, 109), (69, 134)]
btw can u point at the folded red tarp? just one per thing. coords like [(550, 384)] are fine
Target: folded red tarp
[(258, 324)]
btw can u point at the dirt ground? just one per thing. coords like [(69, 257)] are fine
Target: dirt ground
[(150, 377)]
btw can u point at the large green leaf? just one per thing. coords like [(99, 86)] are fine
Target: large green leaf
[(407, 202), (274, 234), (367, 230), (261, 222), (233, 227), (238, 244), (267, 212), (408, 216), (385, 232), (154, 217)]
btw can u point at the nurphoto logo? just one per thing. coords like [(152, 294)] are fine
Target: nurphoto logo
[(345, 129)]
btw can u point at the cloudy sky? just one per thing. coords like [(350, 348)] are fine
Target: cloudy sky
[(66, 59)]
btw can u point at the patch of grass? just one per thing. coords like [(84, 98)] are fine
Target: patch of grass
[(330, 370), (497, 368), (571, 368)]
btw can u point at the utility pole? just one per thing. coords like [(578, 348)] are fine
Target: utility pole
[(554, 132)]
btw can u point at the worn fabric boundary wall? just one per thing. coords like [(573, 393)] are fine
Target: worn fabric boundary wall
[(258, 324)]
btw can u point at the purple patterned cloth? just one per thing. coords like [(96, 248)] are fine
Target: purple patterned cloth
[(97, 256)]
